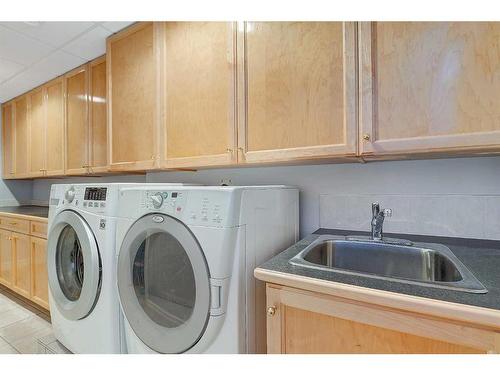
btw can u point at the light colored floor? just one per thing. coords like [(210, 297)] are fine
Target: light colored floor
[(20, 326)]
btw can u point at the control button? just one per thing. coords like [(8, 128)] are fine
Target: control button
[(165, 195), (179, 209), (84, 204), (103, 204), (91, 204), (157, 200)]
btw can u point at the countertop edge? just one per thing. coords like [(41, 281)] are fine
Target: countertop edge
[(23, 216), (444, 309)]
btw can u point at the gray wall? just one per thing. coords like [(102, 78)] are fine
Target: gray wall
[(454, 197)]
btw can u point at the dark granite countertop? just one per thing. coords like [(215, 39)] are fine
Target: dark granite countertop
[(481, 257), (37, 211)]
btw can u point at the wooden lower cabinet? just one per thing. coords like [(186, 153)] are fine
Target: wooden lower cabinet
[(5, 258), (39, 277), (23, 258), (21, 264), (303, 322)]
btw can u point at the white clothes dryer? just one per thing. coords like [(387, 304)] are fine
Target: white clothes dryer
[(185, 264)]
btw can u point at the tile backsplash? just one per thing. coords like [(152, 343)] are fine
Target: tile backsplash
[(471, 216)]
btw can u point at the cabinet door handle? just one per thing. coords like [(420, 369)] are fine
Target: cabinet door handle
[(271, 310)]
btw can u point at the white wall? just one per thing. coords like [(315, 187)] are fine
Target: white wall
[(454, 197)]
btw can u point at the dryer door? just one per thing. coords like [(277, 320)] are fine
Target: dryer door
[(74, 265), (164, 284)]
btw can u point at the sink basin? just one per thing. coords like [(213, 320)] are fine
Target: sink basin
[(426, 264)]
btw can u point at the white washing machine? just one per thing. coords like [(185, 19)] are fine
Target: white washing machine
[(185, 264), (81, 262)]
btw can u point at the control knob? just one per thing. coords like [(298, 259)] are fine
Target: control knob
[(70, 194), (157, 200)]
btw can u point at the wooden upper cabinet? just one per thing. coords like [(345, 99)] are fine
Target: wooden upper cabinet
[(134, 100), (8, 140), (429, 87), (37, 117), (199, 67), (21, 144), (98, 122), (54, 128), (77, 159), (298, 96)]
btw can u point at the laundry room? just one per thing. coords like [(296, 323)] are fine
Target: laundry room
[(220, 179)]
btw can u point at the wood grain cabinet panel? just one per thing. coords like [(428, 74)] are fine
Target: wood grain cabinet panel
[(77, 121), (134, 100), (8, 140), (200, 66), (37, 121), (98, 122), (298, 92), (304, 322), (6, 258), (21, 126), (21, 264), (429, 87), (55, 155), (39, 278)]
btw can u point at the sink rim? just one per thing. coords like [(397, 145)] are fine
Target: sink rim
[(469, 282)]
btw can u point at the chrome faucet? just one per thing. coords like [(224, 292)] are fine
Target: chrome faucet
[(378, 217)]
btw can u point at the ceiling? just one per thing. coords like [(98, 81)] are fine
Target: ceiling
[(32, 53)]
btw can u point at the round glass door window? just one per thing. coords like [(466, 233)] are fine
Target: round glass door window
[(70, 263), (163, 280), (164, 284)]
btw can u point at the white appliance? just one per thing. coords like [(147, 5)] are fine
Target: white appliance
[(81, 262), (185, 264)]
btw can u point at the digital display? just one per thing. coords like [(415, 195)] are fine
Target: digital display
[(95, 194), (173, 195)]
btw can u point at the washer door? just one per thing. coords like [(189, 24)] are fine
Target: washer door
[(74, 265), (164, 284)]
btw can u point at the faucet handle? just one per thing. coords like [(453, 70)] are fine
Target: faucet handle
[(387, 212), (375, 208)]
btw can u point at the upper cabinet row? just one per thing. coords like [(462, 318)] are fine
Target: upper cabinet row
[(58, 128), (201, 94), (191, 94), (204, 94)]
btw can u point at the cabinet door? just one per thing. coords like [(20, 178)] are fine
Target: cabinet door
[(8, 140), (302, 322), (55, 128), (5, 258), (297, 98), (21, 132), (98, 122), (429, 87), (77, 121), (200, 124), (133, 63), (21, 264), (39, 278), (37, 133)]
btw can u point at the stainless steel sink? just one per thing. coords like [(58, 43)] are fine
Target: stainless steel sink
[(425, 264)]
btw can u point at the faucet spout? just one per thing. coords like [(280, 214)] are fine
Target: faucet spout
[(378, 217)]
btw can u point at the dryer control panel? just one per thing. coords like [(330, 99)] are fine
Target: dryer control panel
[(169, 201), (192, 206)]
